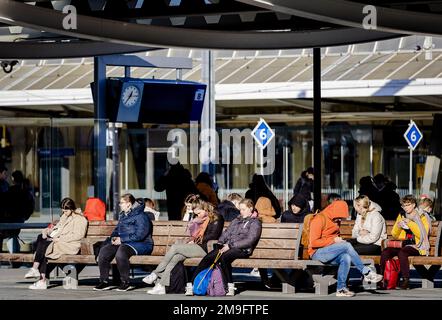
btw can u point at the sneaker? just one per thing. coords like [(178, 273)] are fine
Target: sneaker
[(230, 289), (158, 289), (373, 277), (124, 286), (150, 278), (104, 285), (189, 289), (344, 293), (255, 272), (32, 273), (39, 285)]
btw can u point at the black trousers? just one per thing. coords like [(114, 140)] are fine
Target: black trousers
[(365, 249), (225, 262), (402, 254), (121, 253), (40, 255)]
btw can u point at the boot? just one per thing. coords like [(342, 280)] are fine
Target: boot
[(405, 284)]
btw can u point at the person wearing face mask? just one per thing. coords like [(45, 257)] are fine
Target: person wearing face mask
[(206, 226), (131, 236), (413, 227), (236, 242), (369, 229)]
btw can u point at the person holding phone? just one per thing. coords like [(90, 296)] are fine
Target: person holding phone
[(131, 236), (58, 239)]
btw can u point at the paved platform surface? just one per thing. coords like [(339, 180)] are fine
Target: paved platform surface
[(13, 286)]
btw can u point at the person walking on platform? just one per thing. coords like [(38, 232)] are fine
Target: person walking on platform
[(131, 236)]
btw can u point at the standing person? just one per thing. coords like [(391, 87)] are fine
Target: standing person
[(178, 183), (229, 208), (18, 206), (369, 229), (258, 188), (413, 227), (387, 197), (206, 226), (204, 184), (131, 236), (63, 238), (298, 208), (304, 186), (327, 246), (4, 185), (237, 241)]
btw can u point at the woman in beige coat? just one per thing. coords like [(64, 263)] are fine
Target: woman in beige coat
[(63, 238)]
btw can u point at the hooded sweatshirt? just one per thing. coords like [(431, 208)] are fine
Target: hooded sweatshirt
[(323, 230)]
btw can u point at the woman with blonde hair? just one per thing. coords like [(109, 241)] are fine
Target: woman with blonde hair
[(55, 241), (206, 226), (369, 229)]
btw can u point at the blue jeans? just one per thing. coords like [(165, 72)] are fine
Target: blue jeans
[(343, 255)]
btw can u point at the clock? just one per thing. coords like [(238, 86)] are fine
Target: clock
[(130, 96)]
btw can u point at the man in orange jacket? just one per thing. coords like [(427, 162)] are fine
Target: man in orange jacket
[(326, 246)]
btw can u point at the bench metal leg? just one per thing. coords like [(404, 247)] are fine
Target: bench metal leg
[(322, 283), (70, 281)]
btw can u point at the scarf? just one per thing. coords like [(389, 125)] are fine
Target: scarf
[(424, 243), (197, 227)]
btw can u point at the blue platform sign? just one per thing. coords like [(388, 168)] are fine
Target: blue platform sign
[(263, 134), (413, 135)]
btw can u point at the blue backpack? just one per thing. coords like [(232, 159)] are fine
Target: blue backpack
[(202, 279)]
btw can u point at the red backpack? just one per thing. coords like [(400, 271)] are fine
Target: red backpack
[(95, 210)]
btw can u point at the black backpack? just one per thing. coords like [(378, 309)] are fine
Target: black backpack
[(178, 279)]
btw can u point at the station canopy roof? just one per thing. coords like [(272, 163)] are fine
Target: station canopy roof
[(263, 58)]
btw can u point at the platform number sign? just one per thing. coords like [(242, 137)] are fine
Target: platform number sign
[(199, 95), (413, 135), (263, 134)]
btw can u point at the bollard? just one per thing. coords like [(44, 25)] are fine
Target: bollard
[(70, 281)]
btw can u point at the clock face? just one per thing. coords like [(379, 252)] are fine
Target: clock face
[(130, 96)]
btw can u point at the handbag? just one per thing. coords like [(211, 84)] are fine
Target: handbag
[(391, 273), (202, 279), (392, 243)]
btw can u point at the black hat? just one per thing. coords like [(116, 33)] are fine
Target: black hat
[(298, 200)]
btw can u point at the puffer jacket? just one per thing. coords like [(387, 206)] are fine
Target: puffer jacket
[(242, 234), (375, 225), (228, 210), (135, 230)]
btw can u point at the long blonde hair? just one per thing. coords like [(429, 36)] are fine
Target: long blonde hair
[(206, 206), (365, 202)]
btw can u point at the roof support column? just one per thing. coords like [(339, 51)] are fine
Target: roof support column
[(317, 131), (100, 150)]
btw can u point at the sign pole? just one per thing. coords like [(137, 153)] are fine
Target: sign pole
[(410, 183)]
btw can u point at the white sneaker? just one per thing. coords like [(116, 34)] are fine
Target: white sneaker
[(344, 293), (255, 272), (189, 289), (39, 285), (32, 273), (230, 289), (150, 278), (373, 277), (158, 289)]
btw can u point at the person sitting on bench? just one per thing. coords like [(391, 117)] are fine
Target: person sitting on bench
[(53, 242), (131, 236)]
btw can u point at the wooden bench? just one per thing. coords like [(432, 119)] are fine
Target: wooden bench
[(277, 249), (426, 266)]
